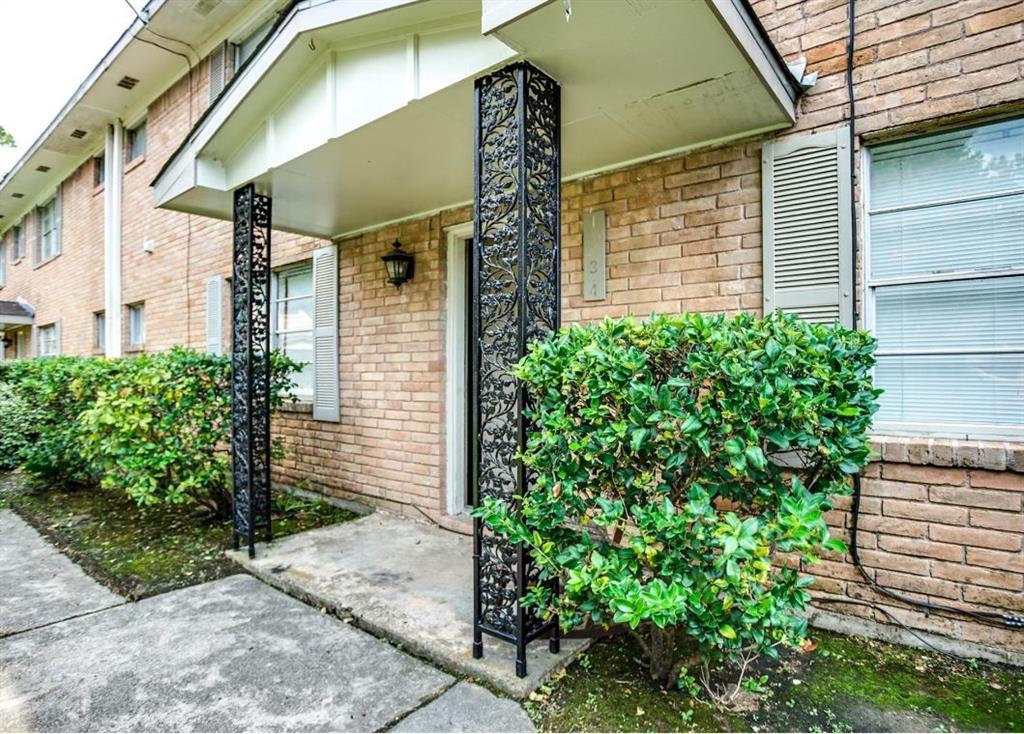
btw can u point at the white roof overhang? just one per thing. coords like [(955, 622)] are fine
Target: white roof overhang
[(358, 113)]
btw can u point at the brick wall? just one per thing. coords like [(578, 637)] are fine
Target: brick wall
[(68, 288), (947, 535)]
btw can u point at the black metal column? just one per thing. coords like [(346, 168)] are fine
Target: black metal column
[(517, 201), (250, 367)]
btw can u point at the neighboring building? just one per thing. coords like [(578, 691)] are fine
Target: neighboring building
[(698, 174)]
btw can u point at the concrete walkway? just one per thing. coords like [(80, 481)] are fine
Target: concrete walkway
[(229, 655), (404, 581), (39, 585)]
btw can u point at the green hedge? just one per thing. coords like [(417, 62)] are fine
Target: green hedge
[(156, 426), (672, 460)]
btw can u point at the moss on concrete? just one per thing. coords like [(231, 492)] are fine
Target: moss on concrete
[(848, 684), (142, 551)]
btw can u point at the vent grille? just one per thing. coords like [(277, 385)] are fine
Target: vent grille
[(79, 134), (127, 82), (17, 196), (42, 169)]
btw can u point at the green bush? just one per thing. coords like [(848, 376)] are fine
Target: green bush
[(18, 427), (672, 461), (155, 426), (58, 390)]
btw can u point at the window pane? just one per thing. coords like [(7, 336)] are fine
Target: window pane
[(978, 314), (961, 163), (299, 347), (964, 389), (101, 329), (295, 315), (973, 235), (295, 284), (136, 325), (137, 141)]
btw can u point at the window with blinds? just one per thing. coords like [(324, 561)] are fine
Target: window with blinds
[(945, 281)]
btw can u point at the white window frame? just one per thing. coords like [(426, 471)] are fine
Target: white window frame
[(48, 329), (252, 40), (307, 266), (137, 341), (49, 239), (912, 428), (99, 325), (130, 139), (18, 244)]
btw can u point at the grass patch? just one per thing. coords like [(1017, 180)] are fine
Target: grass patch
[(848, 684), (142, 551)]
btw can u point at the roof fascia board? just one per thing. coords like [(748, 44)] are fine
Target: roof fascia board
[(304, 16), (12, 320)]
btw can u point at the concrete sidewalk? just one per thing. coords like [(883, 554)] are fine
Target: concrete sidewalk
[(407, 582), (229, 655), (39, 585)]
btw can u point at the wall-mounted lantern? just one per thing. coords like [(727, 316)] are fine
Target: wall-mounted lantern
[(399, 265)]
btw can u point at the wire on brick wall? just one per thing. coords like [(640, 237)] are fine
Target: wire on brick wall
[(999, 619), (191, 97)]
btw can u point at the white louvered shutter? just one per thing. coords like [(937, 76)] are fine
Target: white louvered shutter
[(222, 68), (215, 314), (805, 202), (325, 334)]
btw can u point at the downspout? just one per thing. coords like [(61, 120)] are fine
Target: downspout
[(113, 174)]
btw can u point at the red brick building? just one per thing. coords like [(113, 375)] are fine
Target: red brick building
[(687, 159)]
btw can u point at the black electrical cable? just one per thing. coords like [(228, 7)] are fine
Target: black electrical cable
[(145, 24), (998, 619)]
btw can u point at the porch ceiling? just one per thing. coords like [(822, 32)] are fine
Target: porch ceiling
[(354, 120)]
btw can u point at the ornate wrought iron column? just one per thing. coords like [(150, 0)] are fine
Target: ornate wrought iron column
[(250, 367), (517, 199)]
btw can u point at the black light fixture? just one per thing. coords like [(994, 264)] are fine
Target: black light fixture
[(399, 265)]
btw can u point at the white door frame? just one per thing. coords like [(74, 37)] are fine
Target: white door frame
[(456, 371)]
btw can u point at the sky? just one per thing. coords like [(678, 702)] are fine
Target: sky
[(47, 48)]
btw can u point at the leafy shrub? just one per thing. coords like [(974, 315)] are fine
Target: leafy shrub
[(58, 390), (160, 432), (672, 461), (156, 426), (18, 427)]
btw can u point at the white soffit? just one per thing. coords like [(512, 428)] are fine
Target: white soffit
[(645, 77), (371, 120)]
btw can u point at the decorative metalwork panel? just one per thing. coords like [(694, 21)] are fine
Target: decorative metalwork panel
[(516, 299), (250, 367)]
